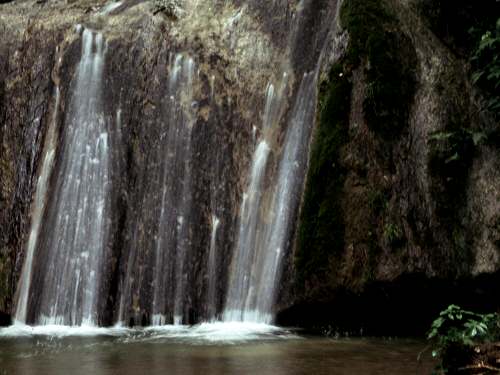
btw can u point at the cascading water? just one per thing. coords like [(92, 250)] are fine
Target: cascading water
[(76, 225), (159, 291), (142, 220), (212, 271), (173, 241), (263, 236), (172, 174), (37, 214), (286, 197), (242, 277), (240, 282)]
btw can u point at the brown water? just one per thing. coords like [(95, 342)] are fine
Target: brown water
[(187, 351)]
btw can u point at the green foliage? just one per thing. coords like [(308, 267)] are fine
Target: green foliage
[(457, 326), (393, 233), (486, 62), (451, 21), (456, 331), (321, 233), (455, 145), (377, 39), (471, 29), (377, 200), (450, 160), (451, 154)]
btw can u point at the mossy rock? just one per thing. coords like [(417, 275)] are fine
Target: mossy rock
[(321, 232), (389, 58), (376, 40)]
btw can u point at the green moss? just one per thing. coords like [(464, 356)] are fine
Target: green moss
[(377, 42), (450, 159), (321, 233), (376, 38), (364, 19)]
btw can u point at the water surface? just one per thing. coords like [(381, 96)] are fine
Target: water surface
[(204, 349)]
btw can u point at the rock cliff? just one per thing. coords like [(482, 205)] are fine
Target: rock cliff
[(401, 199)]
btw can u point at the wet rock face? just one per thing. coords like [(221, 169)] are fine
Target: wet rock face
[(25, 77), (408, 204), (207, 155), (388, 200), (233, 51)]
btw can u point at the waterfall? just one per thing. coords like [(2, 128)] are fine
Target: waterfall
[(37, 214), (212, 271), (75, 229), (182, 208), (262, 237), (172, 243), (286, 197), (240, 280), (242, 273), (153, 287)]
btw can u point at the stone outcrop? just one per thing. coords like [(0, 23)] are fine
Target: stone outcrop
[(410, 214), (237, 50), (394, 212)]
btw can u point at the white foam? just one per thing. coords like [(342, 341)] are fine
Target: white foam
[(218, 333), (22, 330), (204, 333)]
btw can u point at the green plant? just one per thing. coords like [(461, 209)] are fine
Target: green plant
[(454, 333), (392, 233), (454, 147), (450, 159), (486, 64), (452, 20)]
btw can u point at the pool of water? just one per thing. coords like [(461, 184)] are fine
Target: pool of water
[(206, 349)]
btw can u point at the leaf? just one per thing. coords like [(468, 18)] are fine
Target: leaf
[(482, 328), (478, 137), (493, 75), (476, 76), (450, 159), (438, 136), (468, 341), (438, 322)]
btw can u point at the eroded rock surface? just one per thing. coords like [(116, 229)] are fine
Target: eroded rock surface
[(402, 215)]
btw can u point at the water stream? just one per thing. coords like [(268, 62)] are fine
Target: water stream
[(264, 228), (177, 225), (75, 224), (37, 214), (212, 271)]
